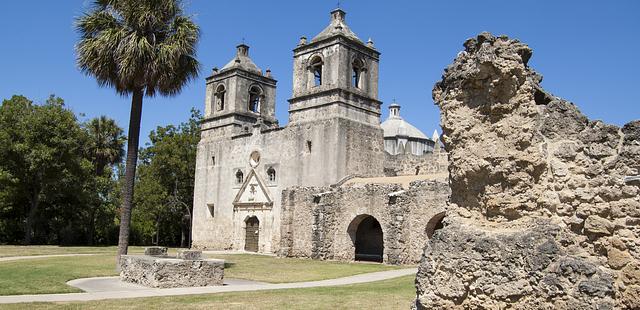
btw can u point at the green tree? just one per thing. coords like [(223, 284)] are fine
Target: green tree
[(42, 167), (164, 199), (105, 148), (138, 48)]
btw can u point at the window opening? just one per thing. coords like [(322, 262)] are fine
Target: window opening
[(255, 96), (316, 68), (271, 174), (239, 177), (220, 91)]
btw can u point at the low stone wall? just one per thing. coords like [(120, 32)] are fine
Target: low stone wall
[(320, 222), (409, 164), (161, 272)]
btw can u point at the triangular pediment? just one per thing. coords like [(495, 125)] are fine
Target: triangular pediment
[(253, 192)]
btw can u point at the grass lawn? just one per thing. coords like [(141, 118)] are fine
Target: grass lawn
[(29, 250), (49, 275), (282, 270), (389, 294)]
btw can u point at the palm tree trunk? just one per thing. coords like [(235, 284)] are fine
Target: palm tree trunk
[(130, 173)]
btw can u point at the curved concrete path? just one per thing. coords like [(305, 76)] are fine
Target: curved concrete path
[(12, 258), (136, 291)]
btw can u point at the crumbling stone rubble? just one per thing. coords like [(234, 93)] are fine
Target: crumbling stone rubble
[(540, 214)]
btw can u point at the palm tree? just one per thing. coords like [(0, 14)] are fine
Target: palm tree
[(138, 47), (106, 142), (104, 147)]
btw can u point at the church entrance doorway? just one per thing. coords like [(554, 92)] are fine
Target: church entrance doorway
[(366, 234), (252, 234)]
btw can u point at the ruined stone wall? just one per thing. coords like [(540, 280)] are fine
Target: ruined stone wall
[(320, 222), (410, 164), (540, 217)]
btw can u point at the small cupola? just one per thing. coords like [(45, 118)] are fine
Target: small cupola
[(338, 15), (243, 50), (394, 110), (242, 61)]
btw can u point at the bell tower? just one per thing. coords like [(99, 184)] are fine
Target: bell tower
[(239, 97), (335, 75)]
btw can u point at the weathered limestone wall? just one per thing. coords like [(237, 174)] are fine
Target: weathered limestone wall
[(409, 164), (162, 272), (540, 217), (320, 222)]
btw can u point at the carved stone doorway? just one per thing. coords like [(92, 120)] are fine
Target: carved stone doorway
[(252, 234)]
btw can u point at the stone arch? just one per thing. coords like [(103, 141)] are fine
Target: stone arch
[(434, 224), (367, 236), (252, 233)]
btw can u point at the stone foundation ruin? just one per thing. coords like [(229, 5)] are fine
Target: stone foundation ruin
[(540, 216), (158, 270)]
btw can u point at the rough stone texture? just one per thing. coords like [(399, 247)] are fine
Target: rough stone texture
[(320, 222), (171, 272), (189, 254), (540, 217), (156, 251)]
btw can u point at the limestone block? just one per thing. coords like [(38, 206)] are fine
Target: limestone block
[(189, 254), (631, 274), (597, 226), (160, 272), (617, 258), (157, 251)]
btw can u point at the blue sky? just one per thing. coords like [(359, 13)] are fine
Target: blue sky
[(586, 50)]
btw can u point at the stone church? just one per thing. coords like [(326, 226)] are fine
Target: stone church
[(334, 183)]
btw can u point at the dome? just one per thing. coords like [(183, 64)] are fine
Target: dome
[(242, 61), (395, 125), (337, 26)]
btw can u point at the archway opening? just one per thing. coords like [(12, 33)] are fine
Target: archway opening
[(434, 224), (367, 237), (252, 234)]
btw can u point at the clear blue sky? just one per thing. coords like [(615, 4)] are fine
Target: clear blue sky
[(587, 51)]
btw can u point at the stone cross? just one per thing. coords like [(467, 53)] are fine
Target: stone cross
[(628, 179)]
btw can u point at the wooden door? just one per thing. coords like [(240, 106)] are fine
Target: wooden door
[(252, 234)]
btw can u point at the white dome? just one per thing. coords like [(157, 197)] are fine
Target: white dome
[(395, 125)]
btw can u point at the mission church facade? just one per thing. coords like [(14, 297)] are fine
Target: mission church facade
[(247, 164)]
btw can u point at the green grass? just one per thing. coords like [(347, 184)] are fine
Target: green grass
[(282, 270), (30, 250), (49, 275), (389, 294)]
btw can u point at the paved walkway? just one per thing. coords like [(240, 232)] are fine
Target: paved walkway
[(11, 258), (134, 292)]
